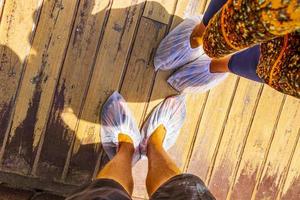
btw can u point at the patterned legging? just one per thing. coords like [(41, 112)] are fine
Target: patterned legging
[(274, 24)]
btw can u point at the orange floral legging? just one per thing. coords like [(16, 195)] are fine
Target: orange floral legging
[(274, 24)]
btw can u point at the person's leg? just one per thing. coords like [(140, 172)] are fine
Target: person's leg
[(115, 180), (279, 64), (243, 64), (113, 169), (161, 167), (175, 49), (204, 73), (160, 132), (213, 7), (165, 180), (242, 24), (120, 139)]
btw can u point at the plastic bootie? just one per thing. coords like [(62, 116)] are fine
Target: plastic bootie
[(175, 49), (196, 77), (171, 114), (116, 118)]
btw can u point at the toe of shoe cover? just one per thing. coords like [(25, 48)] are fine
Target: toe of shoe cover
[(175, 49), (171, 114), (116, 118), (196, 77)]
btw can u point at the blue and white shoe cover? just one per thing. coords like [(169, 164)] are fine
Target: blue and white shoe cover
[(116, 118), (171, 114), (196, 77), (175, 49)]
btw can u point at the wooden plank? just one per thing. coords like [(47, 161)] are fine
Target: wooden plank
[(107, 77), (282, 148), (160, 10), (72, 87), (16, 31), (38, 84), (258, 142), (235, 134), (291, 187), (211, 126)]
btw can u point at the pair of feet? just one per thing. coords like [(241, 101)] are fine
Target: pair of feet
[(119, 126), (177, 50)]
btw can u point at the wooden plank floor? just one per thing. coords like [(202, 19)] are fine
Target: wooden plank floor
[(61, 59)]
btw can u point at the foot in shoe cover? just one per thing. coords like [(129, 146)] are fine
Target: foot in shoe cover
[(175, 49), (116, 118), (171, 114), (196, 77)]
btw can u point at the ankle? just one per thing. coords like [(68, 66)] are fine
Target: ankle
[(196, 36), (125, 151), (125, 143), (157, 139), (220, 65)]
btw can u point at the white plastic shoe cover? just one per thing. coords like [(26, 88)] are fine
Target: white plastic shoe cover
[(196, 77), (116, 118), (175, 49), (171, 114)]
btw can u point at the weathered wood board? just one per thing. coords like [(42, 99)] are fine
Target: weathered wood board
[(16, 32), (211, 127), (38, 84), (258, 142), (234, 137)]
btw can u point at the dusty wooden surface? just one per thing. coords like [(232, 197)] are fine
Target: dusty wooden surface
[(60, 60)]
